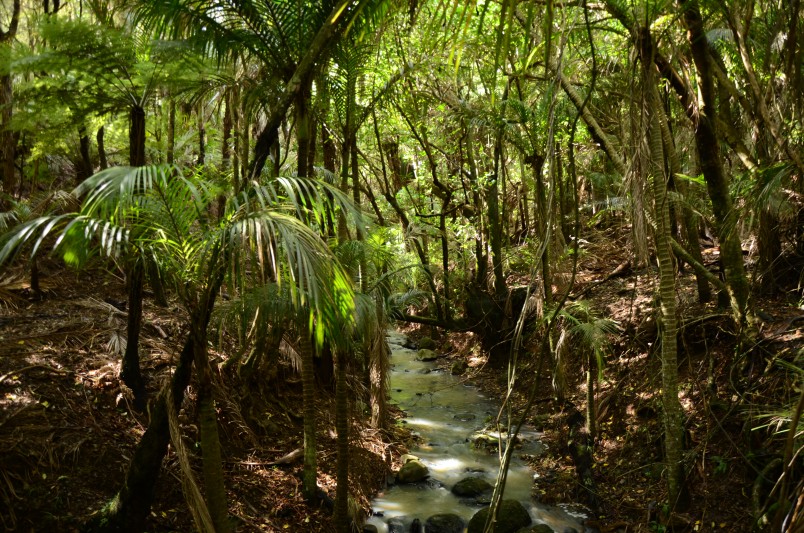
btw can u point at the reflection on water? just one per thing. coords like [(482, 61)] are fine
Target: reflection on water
[(446, 414)]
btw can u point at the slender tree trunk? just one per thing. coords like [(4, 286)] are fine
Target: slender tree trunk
[(226, 149), (667, 285), (7, 144), (215, 490), (480, 256), (136, 136), (326, 35), (171, 132), (103, 162), (130, 372), (495, 223), (310, 472), (7, 139), (591, 418), (128, 510), (359, 232), (536, 161), (329, 151), (689, 220), (237, 162), (378, 371), (342, 429), (707, 142), (202, 137), (85, 166)]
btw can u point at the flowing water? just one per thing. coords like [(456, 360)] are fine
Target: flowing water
[(446, 414)]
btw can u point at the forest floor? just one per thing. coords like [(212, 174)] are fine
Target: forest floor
[(68, 430), (728, 401)]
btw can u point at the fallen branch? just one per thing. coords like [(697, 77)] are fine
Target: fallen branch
[(623, 269), (44, 367), (698, 267)]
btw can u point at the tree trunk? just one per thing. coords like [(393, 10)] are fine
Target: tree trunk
[(591, 369), (171, 132), (130, 372), (378, 371), (326, 35), (7, 144), (667, 285), (536, 162), (85, 165), (707, 142), (310, 472), (136, 136), (128, 510), (215, 490), (495, 223), (104, 163), (237, 162), (202, 137), (7, 138), (342, 429), (226, 149), (688, 218)]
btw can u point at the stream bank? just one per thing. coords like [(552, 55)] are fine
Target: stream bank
[(449, 417)]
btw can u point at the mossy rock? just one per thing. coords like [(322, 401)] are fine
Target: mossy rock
[(471, 486), (511, 517), (484, 441), (444, 523), (427, 343), (426, 355), (412, 472), (458, 368), (538, 528)]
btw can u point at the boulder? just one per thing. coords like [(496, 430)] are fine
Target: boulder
[(426, 355), (444, 523), (484, 441), (427, 343), (538, 528), (396, 525), (412, 472), (471, 486), (458, 368), (370, 528), (511, 517), (408, 457)]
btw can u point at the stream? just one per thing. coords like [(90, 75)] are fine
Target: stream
[(448, 415)]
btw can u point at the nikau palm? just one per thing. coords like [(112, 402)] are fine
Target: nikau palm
[(258, 237)]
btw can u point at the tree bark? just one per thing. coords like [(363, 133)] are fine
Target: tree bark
[(202, 137), (136, 136), (342, 429), (130, 372), (226, 149), (7, 138), (171, 132), (326, 35), (708, 145), (212, 464), (103, 162), (85, 166), (310, 472), (688, 219), (667, 285), (128, 510)]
